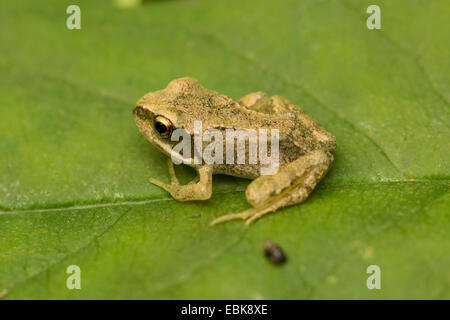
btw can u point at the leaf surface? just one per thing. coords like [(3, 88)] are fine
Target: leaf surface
[(74, 169)]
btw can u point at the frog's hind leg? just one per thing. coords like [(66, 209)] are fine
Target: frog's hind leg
[(250, 100), (298, 195), (258, 101), (292, 197), (261, 102), (291, 185)]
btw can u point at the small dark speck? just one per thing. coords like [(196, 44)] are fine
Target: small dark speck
[(274, 253), (197, 215)]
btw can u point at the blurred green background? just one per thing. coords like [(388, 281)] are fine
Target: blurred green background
[(74, 169)]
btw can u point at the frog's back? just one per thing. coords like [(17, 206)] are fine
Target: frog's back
[(298, 130), (306, 133), (298, 133)]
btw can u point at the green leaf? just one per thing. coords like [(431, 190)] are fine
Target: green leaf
[(74, 169)]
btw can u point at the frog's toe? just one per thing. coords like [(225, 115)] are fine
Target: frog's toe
[(243, 215), (250, 215), (160, 184), (255, 216)]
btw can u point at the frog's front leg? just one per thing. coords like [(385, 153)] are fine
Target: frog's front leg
[(200, 190), (292, 184)]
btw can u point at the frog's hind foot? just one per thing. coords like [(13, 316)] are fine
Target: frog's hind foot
[(251, 214), (254, 213), (243, 215)]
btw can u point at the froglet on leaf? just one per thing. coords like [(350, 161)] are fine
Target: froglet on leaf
[(303, 147)]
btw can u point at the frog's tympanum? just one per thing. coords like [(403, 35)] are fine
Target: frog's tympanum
[(304, 146)]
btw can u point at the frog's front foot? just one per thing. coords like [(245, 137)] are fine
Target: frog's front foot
[(174, 183), (200, 190)]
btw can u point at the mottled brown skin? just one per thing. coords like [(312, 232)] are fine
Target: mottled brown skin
[(303, 144)]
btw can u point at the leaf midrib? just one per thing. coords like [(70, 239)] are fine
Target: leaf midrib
[(133, 202)]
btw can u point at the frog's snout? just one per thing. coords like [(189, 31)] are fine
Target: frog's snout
[(141, 112)]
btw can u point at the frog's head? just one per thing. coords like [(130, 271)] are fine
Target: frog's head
[(157, 114)]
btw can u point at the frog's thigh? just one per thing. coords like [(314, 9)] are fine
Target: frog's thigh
[(252, 98), (291, 185), (301, 176), (258, 101), (261, 102), (304, 172)]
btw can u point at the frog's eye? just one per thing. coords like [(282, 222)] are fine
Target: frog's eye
[(163, 126)]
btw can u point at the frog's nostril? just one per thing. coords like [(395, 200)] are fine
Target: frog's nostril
[(140, 111)]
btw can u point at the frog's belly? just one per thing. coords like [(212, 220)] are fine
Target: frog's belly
[(252, 171), (238, 170), (287, 152)]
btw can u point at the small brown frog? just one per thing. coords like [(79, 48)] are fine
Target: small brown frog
[(304, 146)]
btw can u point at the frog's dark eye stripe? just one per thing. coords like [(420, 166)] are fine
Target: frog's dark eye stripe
[(163, 126)]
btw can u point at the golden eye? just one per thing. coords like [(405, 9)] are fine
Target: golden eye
[(163, 126)]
